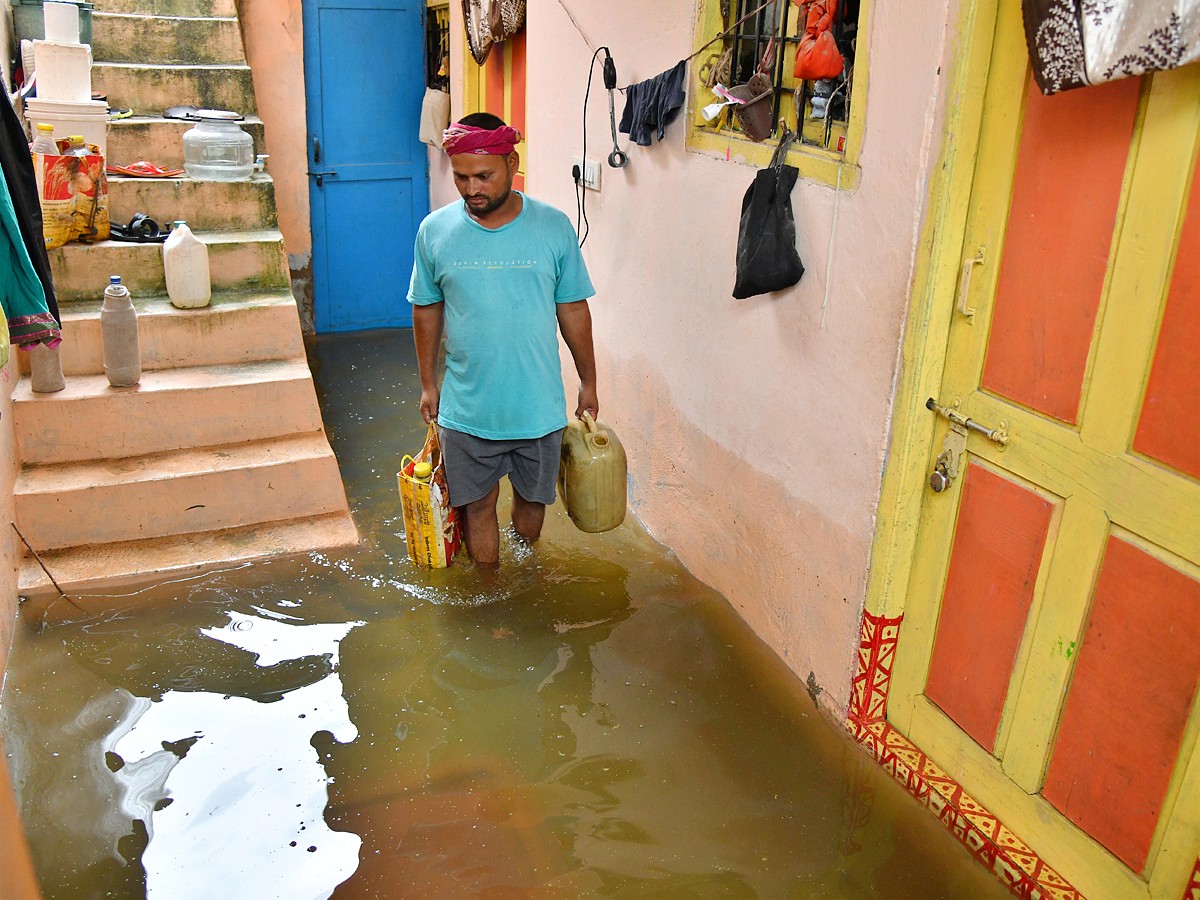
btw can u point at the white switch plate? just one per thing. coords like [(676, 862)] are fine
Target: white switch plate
[(591, 172)]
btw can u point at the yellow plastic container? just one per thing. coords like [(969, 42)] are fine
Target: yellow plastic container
[(591, 477)]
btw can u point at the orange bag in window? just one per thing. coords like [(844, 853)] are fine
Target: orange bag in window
[(817, 55)]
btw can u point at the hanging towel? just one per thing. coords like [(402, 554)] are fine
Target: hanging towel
[(16, 167), (651, 105)]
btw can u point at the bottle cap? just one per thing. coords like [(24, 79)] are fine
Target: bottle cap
[(179, 222), (422, 471), (49, 129), (77, 139), (114, 279)]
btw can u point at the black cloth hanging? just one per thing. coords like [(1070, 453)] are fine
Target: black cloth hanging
[(767, 259), (651, 105), (17, 166)]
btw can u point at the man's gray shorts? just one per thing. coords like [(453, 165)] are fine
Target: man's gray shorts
[(475, 465)]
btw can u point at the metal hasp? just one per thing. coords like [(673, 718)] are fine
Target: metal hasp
[(995, 435), (320, 176), (954, 445)]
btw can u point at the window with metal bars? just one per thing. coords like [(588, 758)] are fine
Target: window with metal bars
[(818, 110), (437, 46)]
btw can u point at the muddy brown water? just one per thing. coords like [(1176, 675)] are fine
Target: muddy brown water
[(598, 724)]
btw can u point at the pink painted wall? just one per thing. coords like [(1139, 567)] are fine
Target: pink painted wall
[(273, 35), (274, 40), (9, 547), (756, 431)]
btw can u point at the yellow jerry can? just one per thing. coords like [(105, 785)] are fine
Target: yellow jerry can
[(591, 477)]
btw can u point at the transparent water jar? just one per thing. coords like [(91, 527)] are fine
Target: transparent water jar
[(217, 149)]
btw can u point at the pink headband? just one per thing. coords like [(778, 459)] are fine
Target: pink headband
[(459, 138)]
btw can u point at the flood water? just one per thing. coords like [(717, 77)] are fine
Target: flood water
[(598, 725)]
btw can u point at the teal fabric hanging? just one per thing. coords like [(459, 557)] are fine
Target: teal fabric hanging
[(21, 293)]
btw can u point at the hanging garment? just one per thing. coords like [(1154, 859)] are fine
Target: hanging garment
[(1073, 43), (21, 292), (651, 105), (817, 54), (491, 22), (17, 168)]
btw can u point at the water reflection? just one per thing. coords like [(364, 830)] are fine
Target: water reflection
[(259, 822)]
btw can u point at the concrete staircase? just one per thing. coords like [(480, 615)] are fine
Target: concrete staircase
[(219, 454)]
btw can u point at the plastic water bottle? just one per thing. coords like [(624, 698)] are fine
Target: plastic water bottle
[(43, 141), (185, 265), (119, 328), (78, 147)]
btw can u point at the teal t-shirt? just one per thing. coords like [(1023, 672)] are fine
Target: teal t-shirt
[(500, 288)]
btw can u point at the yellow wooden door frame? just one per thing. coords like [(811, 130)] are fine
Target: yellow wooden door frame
[(898, 572)]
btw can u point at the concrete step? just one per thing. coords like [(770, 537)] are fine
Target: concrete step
[(124, 37), (232, 329), (204, 205), (169, 7), (160, 140), (170, 409), (111, 566), (188, 491), (149, 89), (237, 260)]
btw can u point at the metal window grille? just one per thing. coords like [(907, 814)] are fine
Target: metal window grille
[(437, 47), (749, 41)]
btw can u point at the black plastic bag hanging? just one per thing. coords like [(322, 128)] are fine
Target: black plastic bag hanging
[(767, 259)]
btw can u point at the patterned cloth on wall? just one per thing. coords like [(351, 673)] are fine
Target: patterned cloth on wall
[(1073, 43)]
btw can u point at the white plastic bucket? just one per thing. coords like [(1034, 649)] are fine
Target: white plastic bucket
[(62, 22), (89, 118), (64, 71)]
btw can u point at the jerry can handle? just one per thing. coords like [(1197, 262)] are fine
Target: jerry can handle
[(589, 422)]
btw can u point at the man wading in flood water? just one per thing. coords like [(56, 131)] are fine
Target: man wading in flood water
[(500, 274)]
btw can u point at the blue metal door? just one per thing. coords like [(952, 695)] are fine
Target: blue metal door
[(368, 171)]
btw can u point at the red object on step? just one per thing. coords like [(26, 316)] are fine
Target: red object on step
[(143, 169)]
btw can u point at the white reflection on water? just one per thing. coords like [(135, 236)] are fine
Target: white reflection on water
[(231, 790)]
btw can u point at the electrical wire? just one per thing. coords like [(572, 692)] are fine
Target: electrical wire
[(580, 190)]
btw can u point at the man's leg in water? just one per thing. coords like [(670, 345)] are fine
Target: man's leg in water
[(527, 517), (481, 529)]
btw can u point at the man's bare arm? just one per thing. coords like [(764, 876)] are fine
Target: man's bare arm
[(428, 322), (575, 323)]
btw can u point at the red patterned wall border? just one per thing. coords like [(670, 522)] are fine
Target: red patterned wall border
[(876, 654), (1192, 891), (1008, 857)]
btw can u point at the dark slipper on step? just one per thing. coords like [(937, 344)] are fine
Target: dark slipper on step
[(141, 230)]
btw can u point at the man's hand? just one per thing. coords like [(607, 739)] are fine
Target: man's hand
[(587, 402), (429, 404)]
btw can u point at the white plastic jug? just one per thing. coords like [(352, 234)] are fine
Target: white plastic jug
[(185, 264)]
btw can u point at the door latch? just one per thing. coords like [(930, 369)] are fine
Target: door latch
[(954, 445), (320, 176)]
